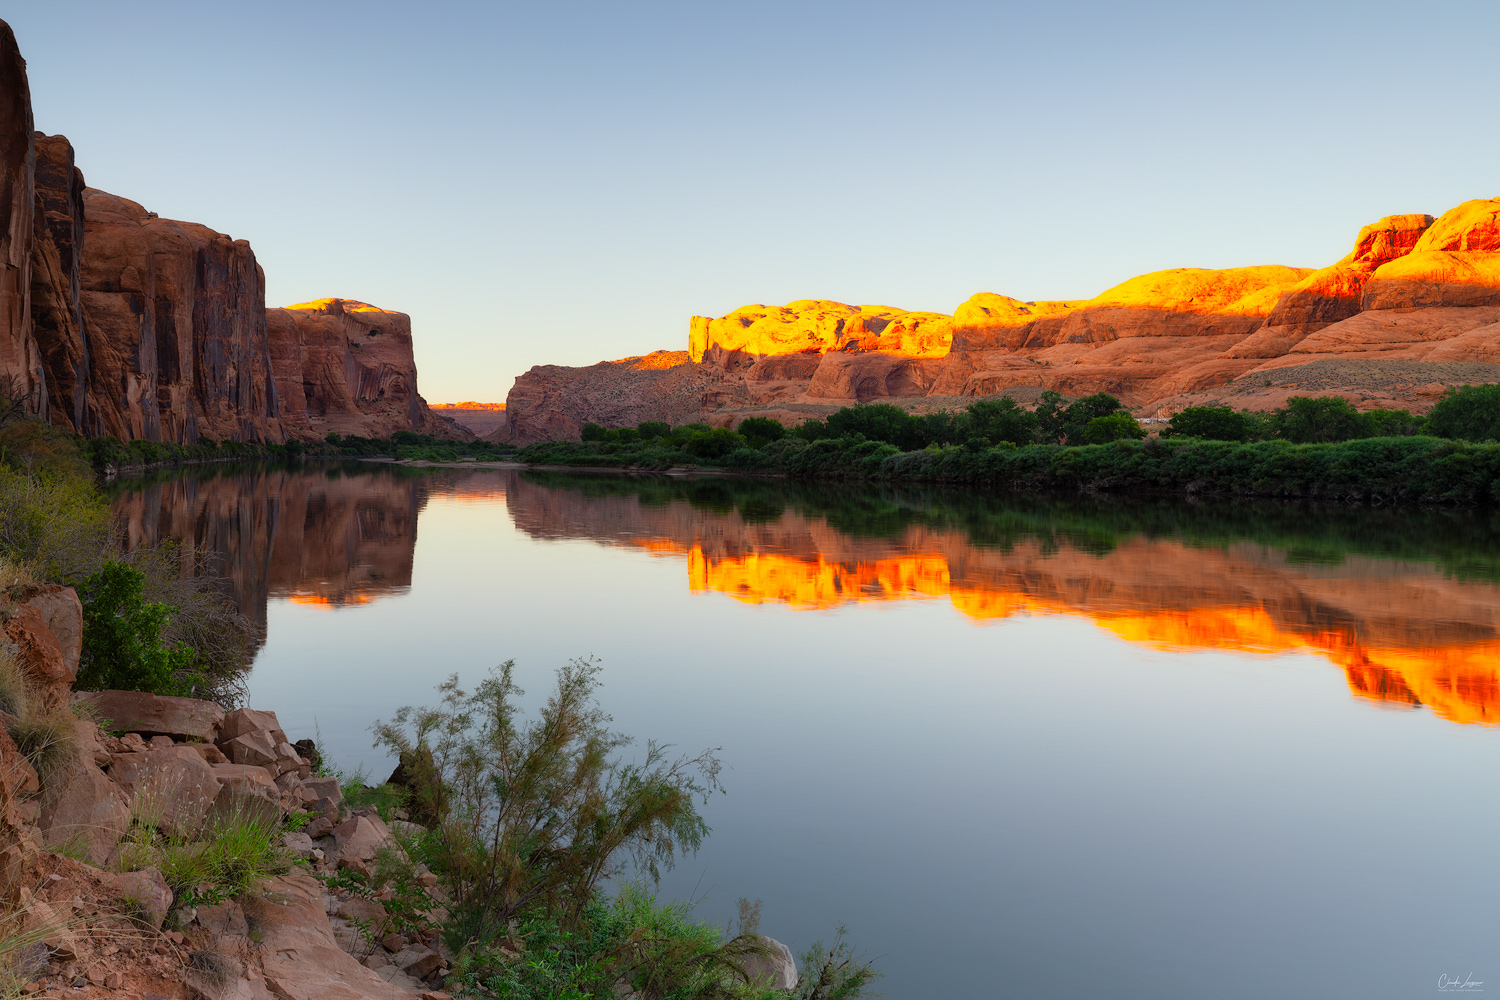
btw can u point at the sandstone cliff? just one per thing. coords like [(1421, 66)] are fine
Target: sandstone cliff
[(1413, 309), (346, 367), (115, 321)]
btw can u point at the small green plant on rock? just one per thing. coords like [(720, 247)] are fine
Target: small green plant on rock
[(228, 858), (122, 637)]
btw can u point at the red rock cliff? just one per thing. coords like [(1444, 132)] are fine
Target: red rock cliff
[(115, 321), (346, 367), (1412, 309), (175, 314)]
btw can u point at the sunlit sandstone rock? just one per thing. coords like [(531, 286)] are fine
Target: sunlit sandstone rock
[(1412, 288)]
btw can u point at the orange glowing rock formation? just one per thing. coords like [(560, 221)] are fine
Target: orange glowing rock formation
[(1412, 309)]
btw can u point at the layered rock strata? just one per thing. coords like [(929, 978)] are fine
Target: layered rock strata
[(116, 321), (1413, 309)]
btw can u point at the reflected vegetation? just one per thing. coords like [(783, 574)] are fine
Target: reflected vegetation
[(1406, 602)]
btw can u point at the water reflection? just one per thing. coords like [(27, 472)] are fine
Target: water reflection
[(325, 535), (1397, 599), (1405, 602)]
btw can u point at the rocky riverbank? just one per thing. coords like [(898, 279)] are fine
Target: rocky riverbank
[(163, 848), (91, 918)]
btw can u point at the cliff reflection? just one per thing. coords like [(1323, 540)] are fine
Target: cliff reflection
[(315, 536), (1408, 608), (1406, 603)]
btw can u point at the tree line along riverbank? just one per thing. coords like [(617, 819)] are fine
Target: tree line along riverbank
[(1314, 448)]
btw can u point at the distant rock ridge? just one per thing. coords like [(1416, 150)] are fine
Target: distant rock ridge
[(116, 321), (1412, 309)]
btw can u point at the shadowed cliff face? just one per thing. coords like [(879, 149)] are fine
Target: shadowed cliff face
[(114, 321), (1405, 633), (347, 367), (176, 321)]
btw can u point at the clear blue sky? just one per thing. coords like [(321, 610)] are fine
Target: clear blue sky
[(560, 183)]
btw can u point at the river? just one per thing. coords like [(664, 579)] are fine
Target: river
[(1019, 746)]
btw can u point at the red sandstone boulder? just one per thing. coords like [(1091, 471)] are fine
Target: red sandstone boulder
[(142, 893), (153, 714), (247, 720), (41, 656), (359, 838), (300, 957), (86, 809), (245, 791), (173, 787)]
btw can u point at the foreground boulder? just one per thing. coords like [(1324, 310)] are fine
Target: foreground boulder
[(301, 960), (247, 792), (156, 715), (88, 811), (775, 969), (172, 786)]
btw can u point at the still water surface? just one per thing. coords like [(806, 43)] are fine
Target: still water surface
[(1020, 747)]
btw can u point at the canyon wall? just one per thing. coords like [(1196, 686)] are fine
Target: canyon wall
[(346, 367), (481, 419), (116, 321), (1413, 309)]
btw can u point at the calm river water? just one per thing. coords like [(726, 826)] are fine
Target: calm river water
[(1021, 747)]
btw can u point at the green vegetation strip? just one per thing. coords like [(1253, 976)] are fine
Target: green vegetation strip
[(1314, 448)]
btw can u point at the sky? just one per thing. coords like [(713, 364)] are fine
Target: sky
[(565, 183)]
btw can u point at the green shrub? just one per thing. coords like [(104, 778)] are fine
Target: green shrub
[(652, 429), (593, 432), (122, 637), (835, 972), (712, 444), (58, 525), (998, 420), (1471, 412), (761, 431), (1115, 427), (1390, 423), (1212, 423), (1317, 419), (38, 448), (542, 812)]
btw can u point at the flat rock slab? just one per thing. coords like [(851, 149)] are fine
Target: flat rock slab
[(156, 715), (302, 961)]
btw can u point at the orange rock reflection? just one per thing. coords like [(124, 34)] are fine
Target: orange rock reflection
[(1458, 680)]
